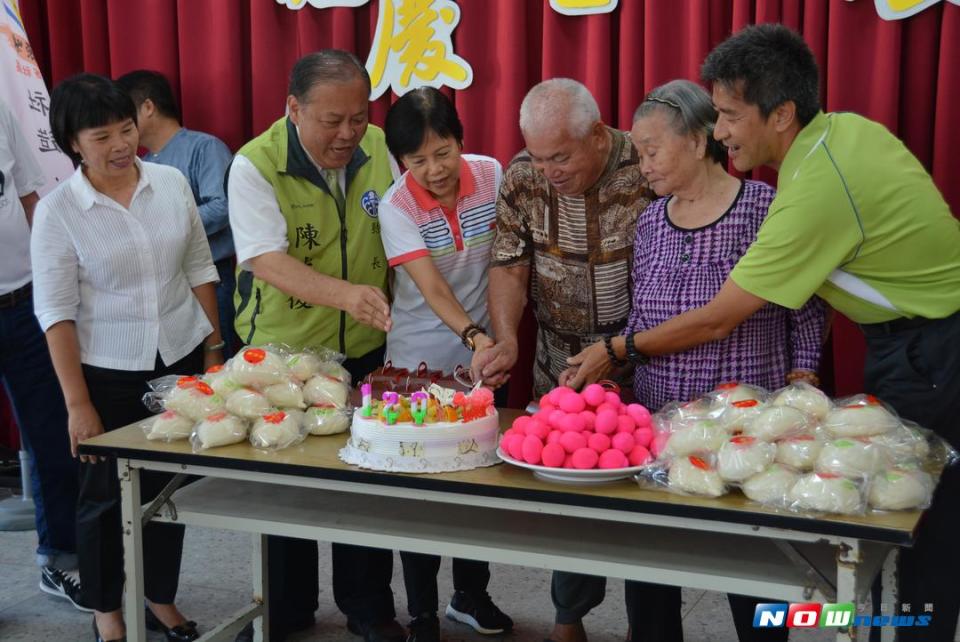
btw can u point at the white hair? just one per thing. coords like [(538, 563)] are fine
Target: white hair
[(557, 103)]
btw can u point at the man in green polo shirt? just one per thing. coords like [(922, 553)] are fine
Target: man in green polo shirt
[(859, 222), (312, 272)]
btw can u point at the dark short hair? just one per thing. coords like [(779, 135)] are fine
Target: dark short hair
[(85, 101), (144, 84), (690, 111), (325, 66), (768, 64), (414, 114)]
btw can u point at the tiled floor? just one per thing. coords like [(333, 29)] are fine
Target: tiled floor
[(216, 576)]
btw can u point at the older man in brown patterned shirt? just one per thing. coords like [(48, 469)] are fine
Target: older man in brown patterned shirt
[(568, 209)]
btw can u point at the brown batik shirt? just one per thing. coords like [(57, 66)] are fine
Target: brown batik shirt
[(580, 249)]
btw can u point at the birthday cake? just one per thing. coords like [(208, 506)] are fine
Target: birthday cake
[(428, 431)]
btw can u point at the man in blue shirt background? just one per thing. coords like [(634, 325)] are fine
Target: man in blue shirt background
[(204, 160)]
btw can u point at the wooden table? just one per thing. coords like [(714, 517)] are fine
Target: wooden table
[(501, 514)]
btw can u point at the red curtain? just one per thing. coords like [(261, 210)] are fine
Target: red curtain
[(229, 60)]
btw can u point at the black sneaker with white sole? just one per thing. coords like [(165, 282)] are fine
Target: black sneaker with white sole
[(478, 612), (63, 585)]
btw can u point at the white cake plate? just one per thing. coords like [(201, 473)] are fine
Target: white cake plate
[(573, 475)]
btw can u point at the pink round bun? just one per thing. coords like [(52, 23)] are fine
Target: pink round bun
[(572, 441), (572, 423), (521, 422), (613, 459), (554, 437), (542, 416), (612, 398), (585, 459), (608, 407), (639, 413), (589, 418), (594, 394), (659, 442), (556, 416), (538, 429), (568, 461), (572, 403), (513, 431), (625, 423), (606, 422), (532, 449), (643, 435), (623, 441), (639, 456), (515, 447), (553, 455), (544, 399), (599, 442), (588, 434)]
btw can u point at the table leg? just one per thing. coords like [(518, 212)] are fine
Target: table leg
[(131, 514), (848, 563), (888, 592), (261, 591)]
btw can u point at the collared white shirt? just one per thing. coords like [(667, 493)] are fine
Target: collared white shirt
[(258, 224), (123, 275), (20, 175)]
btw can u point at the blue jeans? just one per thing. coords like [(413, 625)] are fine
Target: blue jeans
[(34, 392), (225, 289)]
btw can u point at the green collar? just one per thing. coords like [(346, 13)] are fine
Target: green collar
[(806, 141)]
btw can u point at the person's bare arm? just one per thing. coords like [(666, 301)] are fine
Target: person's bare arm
[(29, 202), (206, 294), (367, 304), (506, 300), (83, 421)]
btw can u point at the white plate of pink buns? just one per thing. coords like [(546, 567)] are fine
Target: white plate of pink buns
[(573, 475)]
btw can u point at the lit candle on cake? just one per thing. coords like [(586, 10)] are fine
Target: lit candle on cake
[(367, 391), (391, 407), (418, 407)]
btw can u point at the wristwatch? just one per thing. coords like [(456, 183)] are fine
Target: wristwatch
[(468, 335)]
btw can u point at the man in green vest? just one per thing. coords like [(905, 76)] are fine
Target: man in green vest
[(312, 272)]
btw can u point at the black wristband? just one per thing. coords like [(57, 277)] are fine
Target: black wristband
[(608, 344), (633, 354)]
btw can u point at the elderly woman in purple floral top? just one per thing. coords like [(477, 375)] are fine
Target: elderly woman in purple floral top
[(687, 243)]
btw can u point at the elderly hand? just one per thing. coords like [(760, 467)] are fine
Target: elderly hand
[(493, 364), (83, 422), (368, 305), (590, 365)]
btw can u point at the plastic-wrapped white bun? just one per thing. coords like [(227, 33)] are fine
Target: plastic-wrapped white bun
[(770, 486), (335, 370), (258, 367), (860, 421), (800, 451), (221, 382), (826, 493), (904, 445), (742, 457), (739, 414), (699, 437), (732, 392), (304, 365), (169, 426), (248, 403), (898, 489), (695, 476), (220, 429), (324, 390), (326, 420), (805, 397), (851, 458), (278, 429), (777, 422), (285, 395), (193, 398)]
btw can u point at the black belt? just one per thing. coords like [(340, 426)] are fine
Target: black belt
[(11, 299), (892, 327)]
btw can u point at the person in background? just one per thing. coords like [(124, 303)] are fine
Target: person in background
[(304, 197), (204, 160), (124, 289), (687, 242), (437, 224), (859, 222), (25, 369)]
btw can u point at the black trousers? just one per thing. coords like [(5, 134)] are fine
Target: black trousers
[(917, 371), (361, 575), (116, 395), (653, 610), (420, 580)]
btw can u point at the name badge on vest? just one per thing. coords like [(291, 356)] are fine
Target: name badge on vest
[(370, 203)]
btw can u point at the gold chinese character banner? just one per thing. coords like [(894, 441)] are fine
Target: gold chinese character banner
[(900, 9)]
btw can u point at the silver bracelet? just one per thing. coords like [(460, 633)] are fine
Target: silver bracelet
[(215, 347)]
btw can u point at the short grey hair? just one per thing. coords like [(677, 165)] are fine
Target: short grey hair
[(558, 102), (690, 109), (325, 66)]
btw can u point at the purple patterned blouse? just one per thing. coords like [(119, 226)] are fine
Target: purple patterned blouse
[(676, 269)]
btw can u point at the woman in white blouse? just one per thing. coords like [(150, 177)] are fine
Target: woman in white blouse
[(124, 289)]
